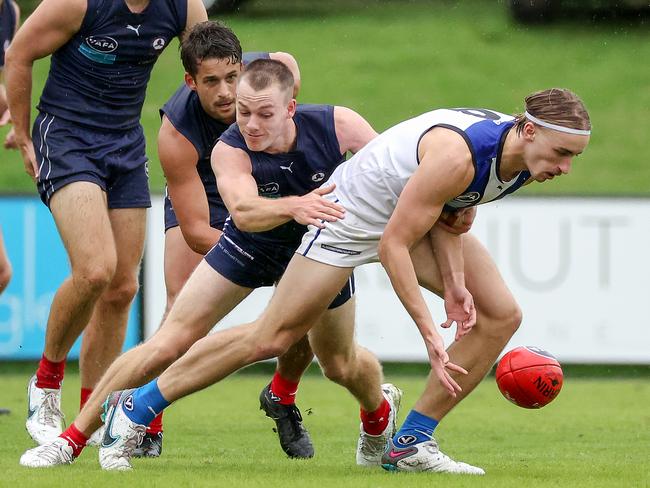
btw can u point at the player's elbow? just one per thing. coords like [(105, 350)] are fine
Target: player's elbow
[(386, 250), (199, 238), (242, 219), (14, 57)]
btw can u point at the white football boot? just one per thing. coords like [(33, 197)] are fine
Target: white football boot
[(121, 435), (96, 438), (44, 417), (424, 456), (47, 455), (371, 447)]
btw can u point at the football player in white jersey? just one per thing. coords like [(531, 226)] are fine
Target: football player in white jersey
[(394, 191)]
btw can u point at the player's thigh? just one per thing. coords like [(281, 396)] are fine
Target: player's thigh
[(81, 215), (491, 295), (333, 332), (180, 260), (205, 299), (303, 293), (129, 227)]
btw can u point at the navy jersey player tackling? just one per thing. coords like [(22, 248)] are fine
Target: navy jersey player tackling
[(393, 192), (88, 158), (192, 120)]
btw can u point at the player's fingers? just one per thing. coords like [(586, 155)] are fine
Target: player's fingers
[(447, 324), (454, 367), (324, 190), (333, 205)]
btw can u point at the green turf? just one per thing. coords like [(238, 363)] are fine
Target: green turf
[(596, 434), (393, 59)]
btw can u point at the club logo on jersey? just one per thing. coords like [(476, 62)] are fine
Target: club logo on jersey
[(158, 43), (470, 197), (268, 189), (405, 440), (103, 44), (316, 177)]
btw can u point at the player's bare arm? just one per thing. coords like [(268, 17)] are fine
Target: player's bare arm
[(53, 23), (178, 158), (290, 62), (445, 170), (195, 13), (458, 221), (253, 213), (352, 130)]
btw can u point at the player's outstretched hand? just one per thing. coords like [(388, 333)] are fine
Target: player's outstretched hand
[(10, 140), (29, 157), (441, 366), (459, 305), (313, 209), (457, 222)]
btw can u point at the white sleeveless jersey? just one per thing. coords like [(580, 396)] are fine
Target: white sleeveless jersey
[(369, 184)]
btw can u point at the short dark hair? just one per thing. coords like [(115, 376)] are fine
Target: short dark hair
[(261, 73), (557, 106), (206, 40)]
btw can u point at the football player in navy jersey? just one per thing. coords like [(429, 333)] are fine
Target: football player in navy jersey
[(87, 156), (9, 23), (393, 192), (192, 120)]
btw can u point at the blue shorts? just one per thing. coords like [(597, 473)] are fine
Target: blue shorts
[(114, 160), (253, 265), (218, 210)]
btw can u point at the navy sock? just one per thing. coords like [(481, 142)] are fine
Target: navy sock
[(147, 402), (415, 429)]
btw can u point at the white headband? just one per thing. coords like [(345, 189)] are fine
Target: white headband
[(559, 128)]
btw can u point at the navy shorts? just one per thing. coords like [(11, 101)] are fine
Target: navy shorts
[(218, 211), (254, 265), (114, 160)]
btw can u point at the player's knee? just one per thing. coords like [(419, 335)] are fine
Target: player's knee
[(94, 277), (506, 322), (336, 368), (120, 295)]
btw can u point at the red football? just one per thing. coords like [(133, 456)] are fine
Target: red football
[(529, 377)]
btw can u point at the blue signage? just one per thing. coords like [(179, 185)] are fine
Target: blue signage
[(40, 264)]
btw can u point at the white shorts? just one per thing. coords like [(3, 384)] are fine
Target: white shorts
[(346, 243)]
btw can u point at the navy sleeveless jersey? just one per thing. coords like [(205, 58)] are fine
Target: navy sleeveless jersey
[(485, 139), (99, 77), (186, 114), (316, 155), (7, 28)]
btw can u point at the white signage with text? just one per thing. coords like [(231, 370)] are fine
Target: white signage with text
[(578, 267)]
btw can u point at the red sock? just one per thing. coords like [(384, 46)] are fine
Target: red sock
[(374, 423), (83, 398), (155, 427), (49, 374), (75, 438), (283, 389)]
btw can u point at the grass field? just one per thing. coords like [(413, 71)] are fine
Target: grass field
[(596, 434), (392, 59)]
